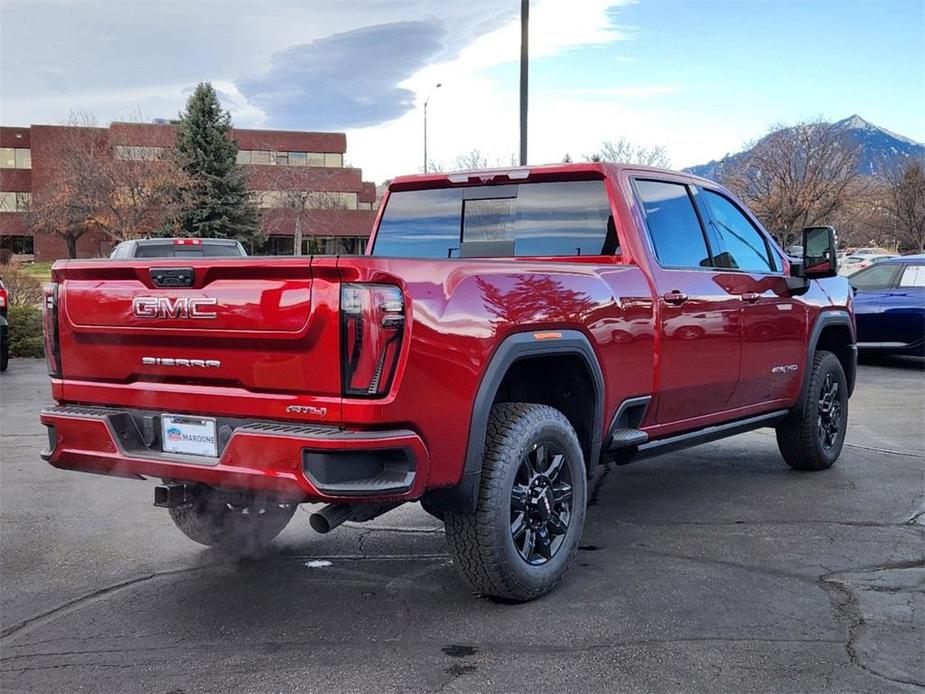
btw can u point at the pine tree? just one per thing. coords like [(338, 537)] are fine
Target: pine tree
[(215, 202)]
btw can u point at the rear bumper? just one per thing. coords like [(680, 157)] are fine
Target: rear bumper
[(291, 461)]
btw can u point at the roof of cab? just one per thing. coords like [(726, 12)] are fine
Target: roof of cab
[(519, 173), (917, 258)]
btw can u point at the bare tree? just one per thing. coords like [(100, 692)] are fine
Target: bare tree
[(624, 152), (796, 176), (297, 199), (94, 189), (475, 159), (906, 205)]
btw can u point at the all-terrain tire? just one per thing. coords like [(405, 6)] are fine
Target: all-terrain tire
[(245, 530), (482, 544), (811, 438)]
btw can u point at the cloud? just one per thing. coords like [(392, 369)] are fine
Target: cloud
[(346, 80), (477, 107)]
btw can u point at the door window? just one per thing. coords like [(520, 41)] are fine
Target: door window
[(874, 277), (743, 247), (673, 225), (913, 276)]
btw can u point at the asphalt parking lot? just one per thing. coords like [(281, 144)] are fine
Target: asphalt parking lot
[(714, 569)]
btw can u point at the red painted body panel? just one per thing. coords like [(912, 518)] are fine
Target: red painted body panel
[(268, 463), (277, 336)]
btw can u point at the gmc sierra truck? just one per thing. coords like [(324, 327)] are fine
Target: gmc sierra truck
[(505, 333)]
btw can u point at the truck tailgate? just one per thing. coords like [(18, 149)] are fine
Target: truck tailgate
[(263, 327)]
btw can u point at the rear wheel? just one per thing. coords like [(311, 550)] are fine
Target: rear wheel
[(813, 436), (531, 508), (212, 519)]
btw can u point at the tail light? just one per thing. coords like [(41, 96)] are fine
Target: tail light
[(372, 324), (50, 326)]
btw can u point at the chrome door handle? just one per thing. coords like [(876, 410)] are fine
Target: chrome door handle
[(675, 298), (750, 297)]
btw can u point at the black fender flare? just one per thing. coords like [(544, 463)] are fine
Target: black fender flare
[(828, 318), (462, 498)]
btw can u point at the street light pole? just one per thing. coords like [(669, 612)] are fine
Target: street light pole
[(524, 61), (436, 86)]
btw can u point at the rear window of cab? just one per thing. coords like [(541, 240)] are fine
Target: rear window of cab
[(563, 218)]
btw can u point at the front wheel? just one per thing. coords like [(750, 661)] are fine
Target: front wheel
[(811, 438), (531, 507), (241, 528)]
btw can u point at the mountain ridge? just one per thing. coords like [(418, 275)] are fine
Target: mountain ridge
[(882, 152)]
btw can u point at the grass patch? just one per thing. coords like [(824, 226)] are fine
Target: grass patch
[(40, 271)]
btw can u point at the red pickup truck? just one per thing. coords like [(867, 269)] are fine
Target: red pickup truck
[(506, 332)]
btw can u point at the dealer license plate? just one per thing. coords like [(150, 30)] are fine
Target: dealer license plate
[(189, 435)]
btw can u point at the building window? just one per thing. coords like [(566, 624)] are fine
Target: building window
[(139, 153), (331, 160), (364, 206), (335, 245), (15, 158), (274, 245), (15, 202), (23, 158), (314, 200), (332, 201), (19, 245)]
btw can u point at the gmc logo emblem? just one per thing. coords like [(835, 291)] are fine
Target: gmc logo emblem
[(181, 307)]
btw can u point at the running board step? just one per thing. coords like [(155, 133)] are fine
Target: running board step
[(626, 437), (707, 434)]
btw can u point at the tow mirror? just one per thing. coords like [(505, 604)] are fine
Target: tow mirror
[(819, 259)]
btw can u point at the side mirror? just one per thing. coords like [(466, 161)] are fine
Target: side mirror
[(819, 259)]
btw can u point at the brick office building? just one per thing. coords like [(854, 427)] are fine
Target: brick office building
[(340, 205)]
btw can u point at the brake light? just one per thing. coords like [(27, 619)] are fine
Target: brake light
[(2, 298), (50, 330), (372, 324)]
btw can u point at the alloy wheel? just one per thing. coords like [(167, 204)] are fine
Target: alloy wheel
[(541, 503), (828, 422)]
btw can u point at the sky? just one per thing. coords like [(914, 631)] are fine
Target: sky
[(699, 77)]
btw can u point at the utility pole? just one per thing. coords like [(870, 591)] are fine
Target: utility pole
[(524, 53)]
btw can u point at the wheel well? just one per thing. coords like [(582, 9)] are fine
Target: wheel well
[(837, 340), (560, 381)]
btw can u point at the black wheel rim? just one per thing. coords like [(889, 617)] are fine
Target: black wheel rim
[(541, 503), (828, 420)]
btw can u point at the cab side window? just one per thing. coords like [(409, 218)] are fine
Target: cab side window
[(742, 245), (673, 225), (874, 277)]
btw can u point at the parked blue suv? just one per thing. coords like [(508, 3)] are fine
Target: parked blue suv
[(889, 305)]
